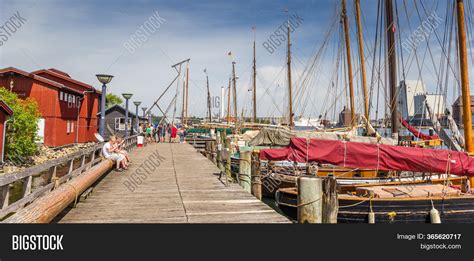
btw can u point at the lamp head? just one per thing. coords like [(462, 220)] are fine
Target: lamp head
[(127, 95), (137, 103), (104, 78)]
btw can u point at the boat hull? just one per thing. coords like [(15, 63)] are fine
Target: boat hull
[(458, 209)]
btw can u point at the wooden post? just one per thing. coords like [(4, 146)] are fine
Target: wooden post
[(91, 161), (219, 154), (256, 179), (52, 173), (310, 193), (245, 170), (27, 185), (83, 162), (207, 149), (4, 196), (228, 164), (213, 151), (330, 203), (53, 176), (71, 168)]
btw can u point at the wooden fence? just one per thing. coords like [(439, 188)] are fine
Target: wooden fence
[(75, 164)]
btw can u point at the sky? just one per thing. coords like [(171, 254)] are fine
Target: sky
[(84, 38)]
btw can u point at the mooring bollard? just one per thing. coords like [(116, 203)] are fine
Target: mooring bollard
[(330, 203), (256, 179), (245, 170), (310, 193)]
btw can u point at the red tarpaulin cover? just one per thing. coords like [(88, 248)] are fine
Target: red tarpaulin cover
[(417, 133), (372, 156)]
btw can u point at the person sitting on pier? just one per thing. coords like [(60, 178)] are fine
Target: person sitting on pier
[(121, 150), (110, 153)]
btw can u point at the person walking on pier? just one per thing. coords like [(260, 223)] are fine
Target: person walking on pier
[(156, 133), (182, 134), (109, 152), (174, 132), (149, 133)]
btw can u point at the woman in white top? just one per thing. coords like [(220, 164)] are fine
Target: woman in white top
[(109, 152)]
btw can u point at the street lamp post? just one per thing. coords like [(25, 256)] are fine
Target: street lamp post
[(137, 103), (144, 111), (104, 79), (127, 97)]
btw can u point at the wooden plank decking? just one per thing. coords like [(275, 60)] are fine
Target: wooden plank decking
[(184, 189)]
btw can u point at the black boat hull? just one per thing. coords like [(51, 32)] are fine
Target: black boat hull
[(452, 210)]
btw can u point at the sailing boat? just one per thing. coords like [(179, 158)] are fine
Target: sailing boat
[(285, 174)]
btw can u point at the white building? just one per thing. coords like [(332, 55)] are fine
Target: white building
[(436, 103), (406, 100)]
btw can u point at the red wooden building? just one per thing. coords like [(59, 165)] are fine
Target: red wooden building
[(68, 107), (5, 112)]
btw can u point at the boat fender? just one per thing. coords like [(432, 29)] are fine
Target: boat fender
[(371, 217), (371, 213), (391, 216), (434, 216)]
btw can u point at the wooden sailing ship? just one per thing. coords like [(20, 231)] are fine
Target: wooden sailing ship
[(406, 201)]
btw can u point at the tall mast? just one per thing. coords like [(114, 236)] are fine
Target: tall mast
[(187, 85), (183, 103), (208, 98), (392, 66), (290, 97), (228, 102), (222, 104), (234, 95), (349, 64), (254, 81), (466, 94), (362, 60)]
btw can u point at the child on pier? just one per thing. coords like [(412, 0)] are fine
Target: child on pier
[(110, 152), (120, 149)]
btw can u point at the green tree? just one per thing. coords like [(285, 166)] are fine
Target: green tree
[(112, 99), (22, 129)]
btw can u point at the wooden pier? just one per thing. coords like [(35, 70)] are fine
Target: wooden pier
[(184, 188)]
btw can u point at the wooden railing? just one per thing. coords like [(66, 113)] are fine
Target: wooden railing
[(73, 165)]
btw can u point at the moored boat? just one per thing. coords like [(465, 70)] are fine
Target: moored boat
[(394, 204)]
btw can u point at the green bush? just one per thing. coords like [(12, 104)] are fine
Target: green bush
[(22, 129)]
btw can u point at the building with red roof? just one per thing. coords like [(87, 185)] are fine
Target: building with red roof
[(5, 113), (68, 107)]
